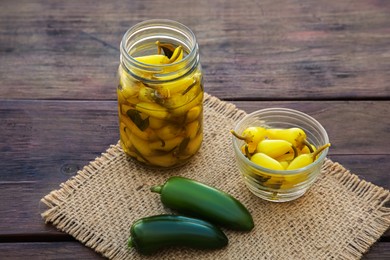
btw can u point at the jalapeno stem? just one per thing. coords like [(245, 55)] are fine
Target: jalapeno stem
[(168, 49), (158, 47), (156, 189), (247, 153), (295, 151), (305, 142), (238, 136), (319, 150)]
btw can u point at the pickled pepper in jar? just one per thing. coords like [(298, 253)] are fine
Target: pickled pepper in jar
[(160, 94)]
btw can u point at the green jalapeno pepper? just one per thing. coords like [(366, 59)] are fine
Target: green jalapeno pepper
[(196, 199), (151, 234)]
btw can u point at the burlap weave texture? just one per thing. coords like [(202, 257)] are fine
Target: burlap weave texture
[(340, 217)]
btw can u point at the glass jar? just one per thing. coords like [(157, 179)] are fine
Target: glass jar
[(160, 93)]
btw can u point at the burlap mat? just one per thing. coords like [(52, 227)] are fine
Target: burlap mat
[(340, 217)]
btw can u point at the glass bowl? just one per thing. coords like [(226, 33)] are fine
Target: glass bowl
[(280, 185)]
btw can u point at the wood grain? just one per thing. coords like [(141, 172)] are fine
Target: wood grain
[(44, 143), (58, 62), (379, 251), (66, 250), (47, 250), (268, 50)]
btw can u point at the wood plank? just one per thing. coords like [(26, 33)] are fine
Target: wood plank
[(250, 50), (379, 251), (47, 250), (273, 50), (43, 143), (68, 250)]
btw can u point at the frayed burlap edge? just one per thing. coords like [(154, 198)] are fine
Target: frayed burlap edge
[(366, 191), (372, 194), (55, 199)]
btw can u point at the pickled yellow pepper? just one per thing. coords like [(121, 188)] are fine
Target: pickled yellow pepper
[(252, 136), (161, 120), (306, 159), (277, 148)]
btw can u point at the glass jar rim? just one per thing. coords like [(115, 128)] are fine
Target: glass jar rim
[(168, 24), (237, 149)]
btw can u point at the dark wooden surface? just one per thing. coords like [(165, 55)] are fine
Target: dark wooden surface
[(58, 60)]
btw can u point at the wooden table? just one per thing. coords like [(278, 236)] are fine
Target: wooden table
[(58, 61)]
